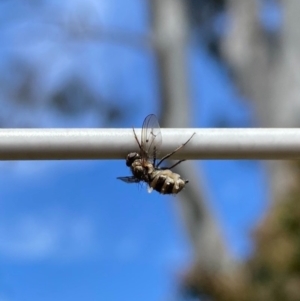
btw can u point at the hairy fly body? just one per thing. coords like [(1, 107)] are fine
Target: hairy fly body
[(143, 164)]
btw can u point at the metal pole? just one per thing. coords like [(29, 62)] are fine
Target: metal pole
[(55, 144)]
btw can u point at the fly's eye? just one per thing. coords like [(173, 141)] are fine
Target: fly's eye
[(131, 158)]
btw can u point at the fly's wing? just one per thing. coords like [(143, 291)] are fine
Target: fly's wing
[(151, 137), (129, 179)]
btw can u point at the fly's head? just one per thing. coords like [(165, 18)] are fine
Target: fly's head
[(131, 157)]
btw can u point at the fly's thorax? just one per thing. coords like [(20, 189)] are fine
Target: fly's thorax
[(145, 168), (140, 168), (166, 182), (137, 169), (149, 168)]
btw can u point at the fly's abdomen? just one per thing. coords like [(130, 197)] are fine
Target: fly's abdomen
[(166, 182)]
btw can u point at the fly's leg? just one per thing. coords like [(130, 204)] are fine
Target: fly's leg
[(154, 157), (178, 162), (136, 138), (173, 152)]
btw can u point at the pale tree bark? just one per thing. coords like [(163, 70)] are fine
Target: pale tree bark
[(170, 27), (266, 68)]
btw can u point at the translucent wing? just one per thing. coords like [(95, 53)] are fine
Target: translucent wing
[(151, 137), (129, 179)]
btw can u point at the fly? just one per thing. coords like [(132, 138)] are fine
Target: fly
[(143, 164)]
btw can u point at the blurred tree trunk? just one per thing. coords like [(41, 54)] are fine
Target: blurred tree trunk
[(170, 27), (265, 63)]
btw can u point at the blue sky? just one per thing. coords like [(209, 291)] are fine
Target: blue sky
[(75, 230), (68, 229)]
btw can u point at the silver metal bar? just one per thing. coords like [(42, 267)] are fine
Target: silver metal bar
[(55, 144)]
